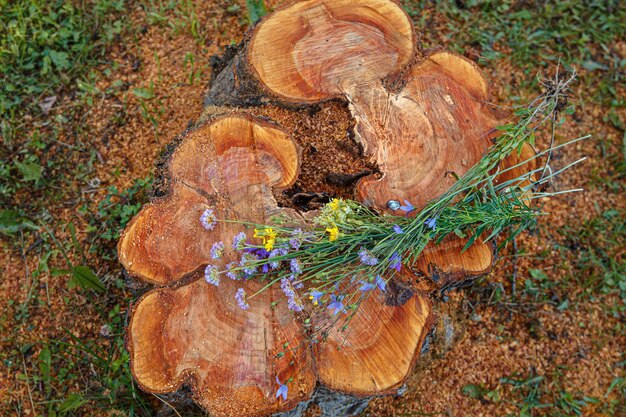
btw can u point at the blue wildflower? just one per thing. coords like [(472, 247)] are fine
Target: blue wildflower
[(208, 219), (282, 390), (297, 236), (315, 296), (395, 262), (240, 296), (380, 283), (293, 301), (231, 271), (295, 266), (336, 304), (408, 207), (431, 222), (211, 275), (275, 253), (247, 263), (366, 286), (398, 229)]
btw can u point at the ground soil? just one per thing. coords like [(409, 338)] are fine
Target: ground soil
[(492, 340)]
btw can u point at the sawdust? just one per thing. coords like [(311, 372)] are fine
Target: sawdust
[(582, 343)]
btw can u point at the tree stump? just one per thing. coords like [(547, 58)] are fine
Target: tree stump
[(421, 117)]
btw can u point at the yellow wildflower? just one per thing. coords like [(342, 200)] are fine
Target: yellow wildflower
[(335, 204), (333, 232), (269, 237)]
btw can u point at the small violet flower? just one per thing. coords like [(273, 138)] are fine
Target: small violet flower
[(295, 266), (380, 283), (239, 241), (398, 229), (315, 296), (293, 301), (211, 275), (367, 258), (297, 236), (395, 262), (208, 219), (217, 250), (240, 296), (275, 253), (282, 390), (336, 304), (431, 222), (231, 271), (407, 207), (244, 263)]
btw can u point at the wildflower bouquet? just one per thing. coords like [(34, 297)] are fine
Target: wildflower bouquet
[(348, 250)]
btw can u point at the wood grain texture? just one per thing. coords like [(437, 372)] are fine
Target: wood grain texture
[(425, 136), (197, 334), (312, 50), (377, 350), (424, 124), (229, 165), (194, 333)]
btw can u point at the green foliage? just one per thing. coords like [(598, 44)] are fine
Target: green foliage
[(535, 35), (534, 394), (597, 245), (59, 365), (46, 45), (256, 10), (114, 212)]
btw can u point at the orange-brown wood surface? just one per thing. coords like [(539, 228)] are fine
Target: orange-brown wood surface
[(315, 49), (195, 333), (423, 122), (375, 352)]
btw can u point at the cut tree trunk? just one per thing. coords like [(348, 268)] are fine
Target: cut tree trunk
[(421, 118)]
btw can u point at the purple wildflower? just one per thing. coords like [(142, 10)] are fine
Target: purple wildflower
[(282, 390), (297, 236), (293, 302), (398, 229), (217, 250), (239, 241), (336, 304), (211, 275), (295, 266), (380, 283), (231, 271), (208, 219), (408, 207), (367, 258), (240, 296), (273, 254), (431, 222), (245, 263), (315, 296), (395, 262), (366, 286)]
